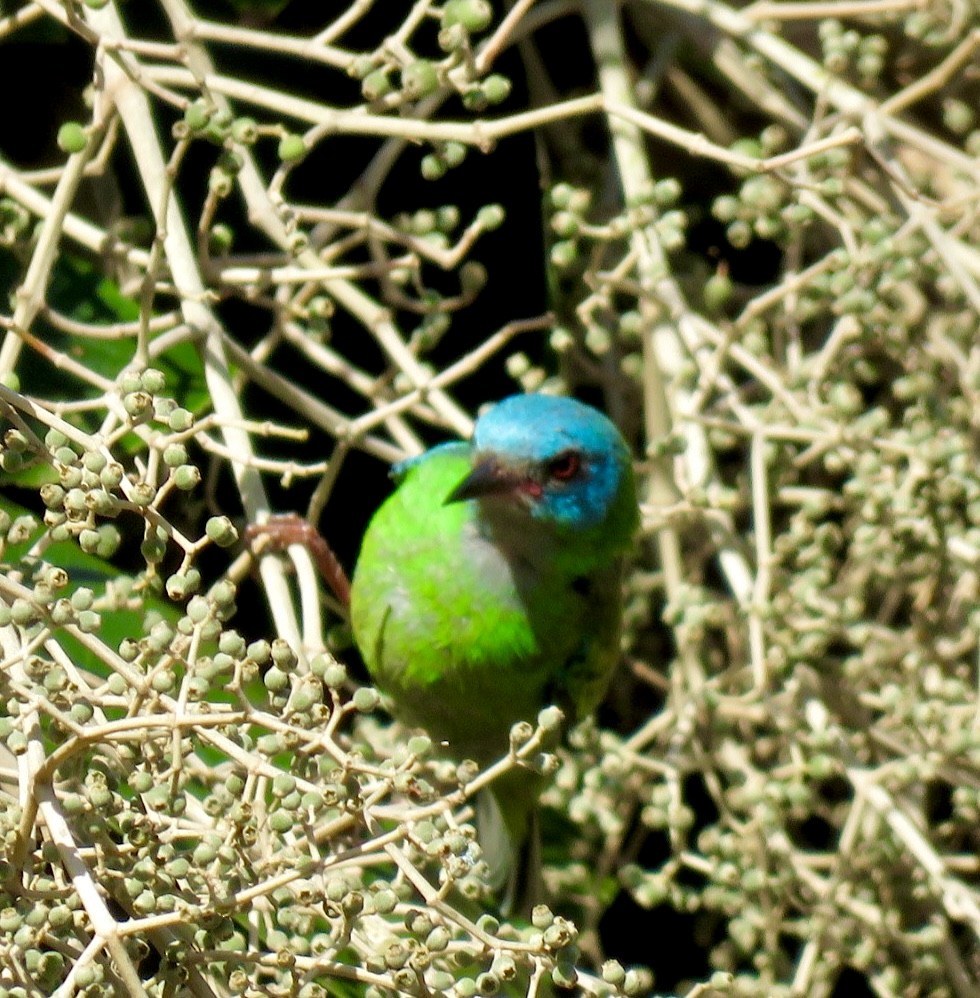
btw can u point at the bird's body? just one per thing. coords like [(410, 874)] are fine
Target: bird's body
[(488, 584)]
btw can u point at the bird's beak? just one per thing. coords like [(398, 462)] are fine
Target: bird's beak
[(489, 477)]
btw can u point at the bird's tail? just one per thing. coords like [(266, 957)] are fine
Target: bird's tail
[(511, 842), (525, 886)]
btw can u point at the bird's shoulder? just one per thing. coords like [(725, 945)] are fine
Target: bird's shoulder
[(442, 459), (415, 518)]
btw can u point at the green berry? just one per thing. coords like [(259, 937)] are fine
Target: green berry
[(187, 477), (197, 115), (291, 148), (433, 167), (180, 420), (473, 15), (221, 530), (717, 292), (490, 217), (275, 680), (564, 254), (366, 699), (375, 85), (496, 88), (280, 821), (245, 130), (613, 973), (453, 153), (153, 381), (220, 182), (419, 79), (174, 455), (221, 239), (71, 137)]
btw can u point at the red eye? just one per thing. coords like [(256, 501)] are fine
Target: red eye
[(565, 466)]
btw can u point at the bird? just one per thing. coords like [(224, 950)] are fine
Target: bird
[(489, 583)]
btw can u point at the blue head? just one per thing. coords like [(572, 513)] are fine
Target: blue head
[(553, 460)]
